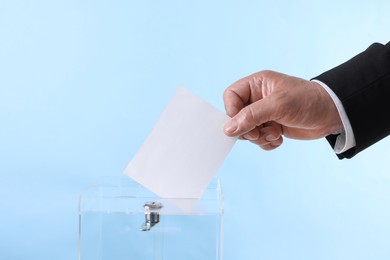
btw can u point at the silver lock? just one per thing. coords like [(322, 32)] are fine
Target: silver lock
[(152, 215)]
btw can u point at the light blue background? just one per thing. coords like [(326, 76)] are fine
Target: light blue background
[(83, 82)]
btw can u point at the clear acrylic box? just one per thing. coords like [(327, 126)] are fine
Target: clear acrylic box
[(119, 219)]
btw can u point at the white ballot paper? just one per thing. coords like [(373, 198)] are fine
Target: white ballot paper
[(184, 150)]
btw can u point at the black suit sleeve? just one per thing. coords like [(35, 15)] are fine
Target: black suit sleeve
[(363, 86)]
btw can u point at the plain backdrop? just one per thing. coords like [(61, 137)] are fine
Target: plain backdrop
[(83, 82)]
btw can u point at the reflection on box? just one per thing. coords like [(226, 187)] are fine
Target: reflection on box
[(119, 219)]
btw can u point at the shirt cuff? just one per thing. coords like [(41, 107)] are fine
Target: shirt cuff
[(346, 139)]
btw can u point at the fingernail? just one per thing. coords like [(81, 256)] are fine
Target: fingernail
[(231, 127), (271, 138), (249, 137)]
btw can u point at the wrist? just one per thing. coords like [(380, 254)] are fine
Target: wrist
[(332, 122), (346, 138)]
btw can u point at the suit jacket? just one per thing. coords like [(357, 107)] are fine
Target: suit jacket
[(363, 86)]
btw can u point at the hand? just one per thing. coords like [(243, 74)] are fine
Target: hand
[(267, 105)]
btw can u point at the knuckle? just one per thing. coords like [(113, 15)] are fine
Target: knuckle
[(226, 93)]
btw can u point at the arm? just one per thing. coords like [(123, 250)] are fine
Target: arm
[(267, 105), (363, 86)]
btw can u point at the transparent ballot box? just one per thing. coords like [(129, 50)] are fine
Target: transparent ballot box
[(119, 219)]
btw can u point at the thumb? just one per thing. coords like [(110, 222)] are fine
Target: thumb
[(249, 117)]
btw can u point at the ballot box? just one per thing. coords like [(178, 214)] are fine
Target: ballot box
[(119, 219)]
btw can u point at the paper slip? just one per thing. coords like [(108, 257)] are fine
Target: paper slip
[(184, 150)]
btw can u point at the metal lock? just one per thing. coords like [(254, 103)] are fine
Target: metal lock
[(152, 215)]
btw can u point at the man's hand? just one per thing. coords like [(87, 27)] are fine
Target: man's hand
[(267, 105)]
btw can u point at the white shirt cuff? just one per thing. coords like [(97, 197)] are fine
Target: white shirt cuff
[(346, 139)]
